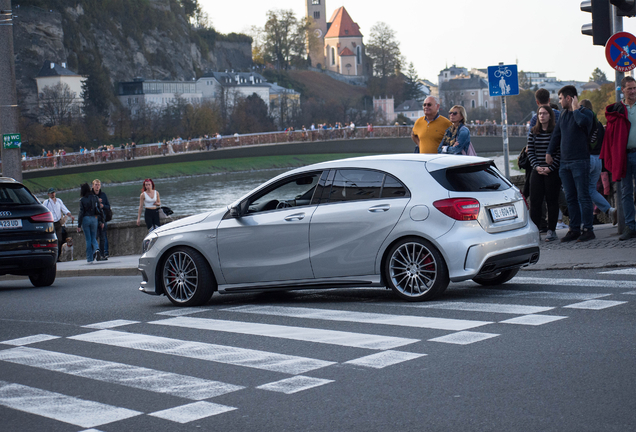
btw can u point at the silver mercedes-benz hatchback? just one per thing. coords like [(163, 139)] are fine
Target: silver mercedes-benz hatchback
[(410, 222)]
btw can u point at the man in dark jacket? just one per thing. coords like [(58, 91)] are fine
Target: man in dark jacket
[(619, 150), (571, 136), (102, 234)]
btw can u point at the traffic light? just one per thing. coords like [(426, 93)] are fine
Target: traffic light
[(601, 27), (625, 7)]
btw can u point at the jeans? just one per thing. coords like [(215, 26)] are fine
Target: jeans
[(575, 176), (596, 166), (102, 235), (627, 187), (89, 226)]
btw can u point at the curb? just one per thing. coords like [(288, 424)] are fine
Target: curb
[(98, 272)]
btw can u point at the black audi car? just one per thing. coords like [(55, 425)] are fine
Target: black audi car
[(28, 244)]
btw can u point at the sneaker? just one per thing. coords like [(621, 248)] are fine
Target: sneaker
[(561, 225), (586, 236), (627, 234), (552, 236), (96, 256), (613, 215), (571, 235)]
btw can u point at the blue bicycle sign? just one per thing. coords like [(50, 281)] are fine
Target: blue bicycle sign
[(503, 80)]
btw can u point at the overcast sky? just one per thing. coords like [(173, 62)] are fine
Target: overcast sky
[(538, 35)]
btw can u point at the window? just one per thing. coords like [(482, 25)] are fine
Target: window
[(333, 56), (483, 177), (359, 55), (316, 15), (485, 104), (361, 184), (294, 192), (472, 103), (315, 2)]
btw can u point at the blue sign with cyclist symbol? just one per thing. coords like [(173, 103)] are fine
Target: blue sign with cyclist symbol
[(503, 80)]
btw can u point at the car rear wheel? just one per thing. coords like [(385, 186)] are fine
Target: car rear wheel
[(187, 277), (415, 270), (496, 278), (44, 277)]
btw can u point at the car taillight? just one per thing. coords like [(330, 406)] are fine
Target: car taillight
[(526, 201), (44, 217), (462, 209)]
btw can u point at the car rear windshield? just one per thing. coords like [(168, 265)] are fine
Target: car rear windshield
[(482, 177), (15, 194)]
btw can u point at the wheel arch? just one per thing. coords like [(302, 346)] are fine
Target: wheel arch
[(160, 289)]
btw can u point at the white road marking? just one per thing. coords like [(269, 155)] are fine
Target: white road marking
[(561, 295), (484, 307), (183, 311), (630, 293), (362, 317), (533, 320), (118, 373), (385, 358), (29, 340), (194, 411), (576, 282), (56, 406), (294, 384), (627, 271), (110, 324), (203, 351), (464, 337), (357, 340), (594, 304)]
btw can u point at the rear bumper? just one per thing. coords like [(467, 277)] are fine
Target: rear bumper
[(510, 260), (27, 262)]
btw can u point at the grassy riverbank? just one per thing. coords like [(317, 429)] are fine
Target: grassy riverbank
[(178, 169)]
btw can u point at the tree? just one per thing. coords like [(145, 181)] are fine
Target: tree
[(598, 76), (384, 50), (58, 104), (284, 43), (524, 81), (412, 88), (600, 99), (250, 116)]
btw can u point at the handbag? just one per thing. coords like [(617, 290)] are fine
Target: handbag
[(165, 212), (523, 161), (470, 151), (108, 214), (162, 215)]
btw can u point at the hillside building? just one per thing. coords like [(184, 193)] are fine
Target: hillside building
[(53, 74), (139, 93), (232, 85)]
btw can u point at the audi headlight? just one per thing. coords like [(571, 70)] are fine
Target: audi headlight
[(149, 242)]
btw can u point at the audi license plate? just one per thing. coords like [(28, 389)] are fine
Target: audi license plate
[(11, 224), (503, 213)]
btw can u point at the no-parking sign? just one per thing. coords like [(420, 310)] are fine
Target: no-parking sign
[(620, 51)]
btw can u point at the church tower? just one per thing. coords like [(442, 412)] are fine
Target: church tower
[(316, 11)]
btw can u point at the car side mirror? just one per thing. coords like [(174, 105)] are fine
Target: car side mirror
[(235, 211)]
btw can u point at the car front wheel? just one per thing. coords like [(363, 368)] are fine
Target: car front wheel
[(44, 277), (415, 270), (496, 278), (187, 277)]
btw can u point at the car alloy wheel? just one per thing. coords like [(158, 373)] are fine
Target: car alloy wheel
[(187, 278), (415, 270)]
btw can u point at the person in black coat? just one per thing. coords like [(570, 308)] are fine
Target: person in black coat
[(102, 234), (90, 218)]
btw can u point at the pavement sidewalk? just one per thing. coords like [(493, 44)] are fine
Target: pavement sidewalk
[(606, 251)]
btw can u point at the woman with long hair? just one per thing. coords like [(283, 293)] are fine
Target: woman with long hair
[(149, 199), (545, 182), (90, 217), (457, 137)]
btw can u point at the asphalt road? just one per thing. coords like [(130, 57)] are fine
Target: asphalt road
[(549, 351)]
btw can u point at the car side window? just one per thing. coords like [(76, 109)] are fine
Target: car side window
[(292, 192), (355, 185), (393, 188)]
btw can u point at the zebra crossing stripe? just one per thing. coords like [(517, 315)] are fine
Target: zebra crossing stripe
[(183, 311), (464, 337), (495, 293), (194, 411), (484, 307), (385, 358), (534, 320), (362, 317), (117, 373), (348, 339), (595, 304), (627, 271), (30, 340), (110, 324), (294, 384), (203, 351), (575, 282), (56, 406)]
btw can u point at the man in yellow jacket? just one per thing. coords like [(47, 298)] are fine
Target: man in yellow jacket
[(429, 130)]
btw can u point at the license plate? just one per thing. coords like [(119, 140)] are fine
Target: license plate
[(503, 213), (10, 223)]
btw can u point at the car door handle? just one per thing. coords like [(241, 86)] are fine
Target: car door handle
[(297, 216), (380, 208)]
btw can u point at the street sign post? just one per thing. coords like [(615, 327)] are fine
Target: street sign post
[(620, 51), (503, 80)]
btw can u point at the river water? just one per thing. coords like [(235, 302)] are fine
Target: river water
[(187, 195)]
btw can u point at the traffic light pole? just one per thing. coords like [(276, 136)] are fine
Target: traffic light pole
[(617, 26), (9, 112)]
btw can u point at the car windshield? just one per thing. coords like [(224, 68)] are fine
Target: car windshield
[(15, 194), (481, 177)]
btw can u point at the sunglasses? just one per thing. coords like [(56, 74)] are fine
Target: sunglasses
[(428, 104), (453, 113)]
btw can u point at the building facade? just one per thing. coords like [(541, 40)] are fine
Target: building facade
[(53, 74), (156, 94)]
